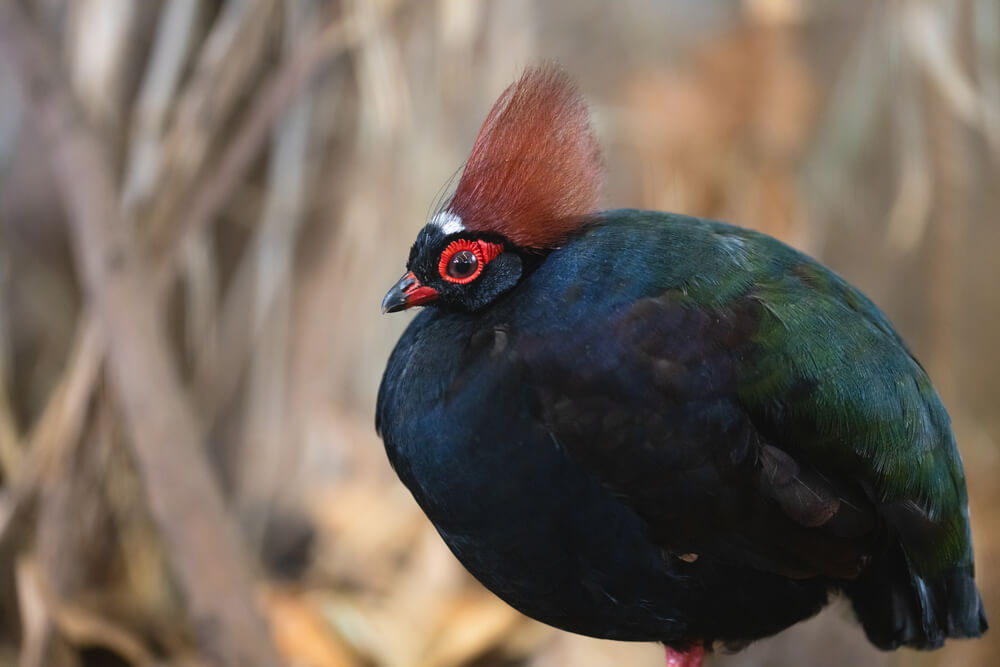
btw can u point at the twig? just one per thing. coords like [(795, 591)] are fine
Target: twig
[(201, 542), (10, 441), (166, 63), (925, 34), (84, 627), (986, 16), (42, 610), (911, 209), (59, 425), (36, 625), (100, 34)]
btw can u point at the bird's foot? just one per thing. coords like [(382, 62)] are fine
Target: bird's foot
[(690, 658)]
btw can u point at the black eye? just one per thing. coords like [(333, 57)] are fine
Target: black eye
[(462, 264)]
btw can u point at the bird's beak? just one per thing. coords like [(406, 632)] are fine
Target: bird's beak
[(408, 292)]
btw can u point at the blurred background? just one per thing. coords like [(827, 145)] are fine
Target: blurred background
[(279, 157)]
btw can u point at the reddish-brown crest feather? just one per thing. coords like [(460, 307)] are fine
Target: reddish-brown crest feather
[(534, 173)]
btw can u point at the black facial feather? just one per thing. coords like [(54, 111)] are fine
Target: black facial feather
[(498, 276)]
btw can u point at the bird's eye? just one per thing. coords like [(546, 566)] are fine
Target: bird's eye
[(462, 264), (463, 260)]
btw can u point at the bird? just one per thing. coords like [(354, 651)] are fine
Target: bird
[(644, 426)]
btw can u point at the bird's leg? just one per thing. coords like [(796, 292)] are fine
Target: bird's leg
[(690, 658)]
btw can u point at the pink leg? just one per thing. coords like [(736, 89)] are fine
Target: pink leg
[(692, 658)]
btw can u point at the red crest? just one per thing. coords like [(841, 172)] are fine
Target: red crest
[(534, 173)]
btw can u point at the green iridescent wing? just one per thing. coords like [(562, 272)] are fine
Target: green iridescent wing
[(829, 378)]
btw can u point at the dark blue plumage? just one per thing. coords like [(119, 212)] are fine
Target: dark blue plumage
[(670, 429), (577, 437)]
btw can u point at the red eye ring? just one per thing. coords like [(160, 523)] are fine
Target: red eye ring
[(484, 253)]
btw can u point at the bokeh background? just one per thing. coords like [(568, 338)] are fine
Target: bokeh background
[(279, 158)]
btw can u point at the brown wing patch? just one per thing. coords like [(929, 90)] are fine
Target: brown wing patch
[(806, 499)]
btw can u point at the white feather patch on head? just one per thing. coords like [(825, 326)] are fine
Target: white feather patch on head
[(447, 222)]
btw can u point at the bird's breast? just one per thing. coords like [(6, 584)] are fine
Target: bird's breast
[(505, 495)]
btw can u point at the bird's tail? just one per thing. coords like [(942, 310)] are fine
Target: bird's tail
[(897, 607)]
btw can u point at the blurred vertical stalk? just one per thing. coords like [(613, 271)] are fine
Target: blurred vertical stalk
[(948, 108), (911, 208), (100, 36), (927, 30), (265, 453), (986, 30), (382, 83), (10, 447), (172, 44), (850, 118)]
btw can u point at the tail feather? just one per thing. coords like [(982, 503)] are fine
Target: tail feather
[(962, 607), (897, 607)]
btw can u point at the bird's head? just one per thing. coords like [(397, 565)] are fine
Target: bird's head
[(533, 178)]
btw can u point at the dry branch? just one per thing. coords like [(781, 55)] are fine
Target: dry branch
[(166, 64), (43, 611), (202, 544)]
